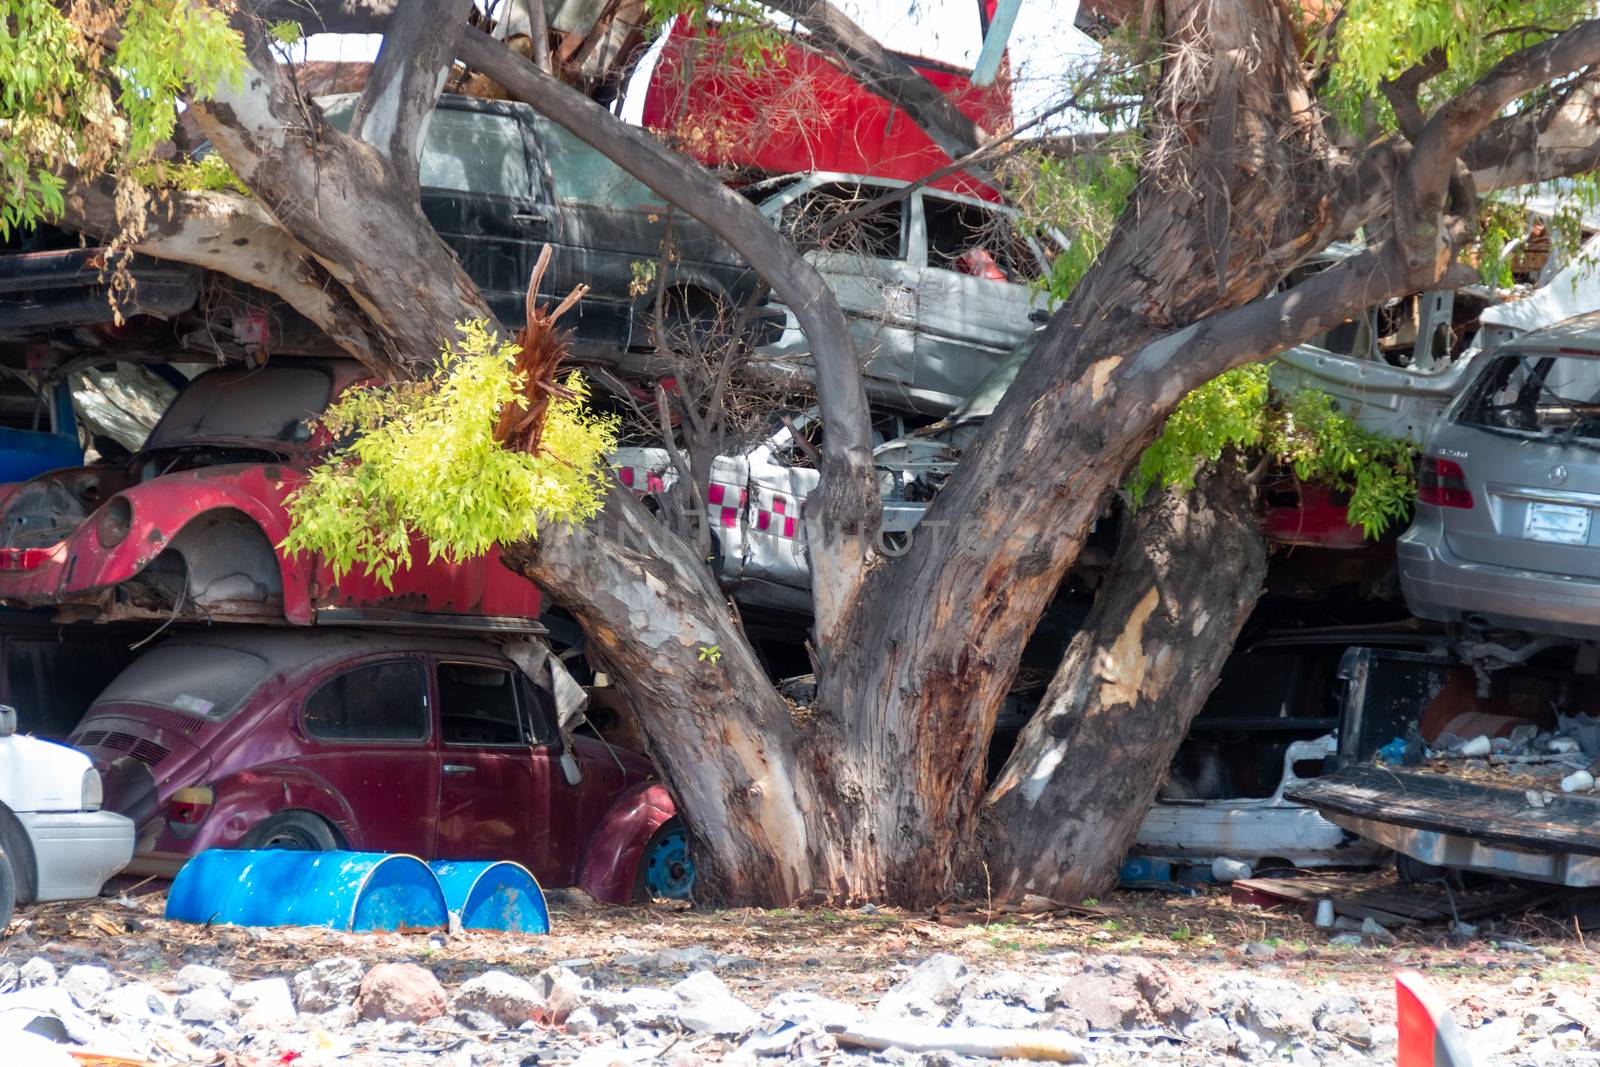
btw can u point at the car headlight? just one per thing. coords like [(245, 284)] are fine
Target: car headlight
[(92, 791), (116, 519)]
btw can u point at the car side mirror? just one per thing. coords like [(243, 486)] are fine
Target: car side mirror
[(8, 720), (569, 768)]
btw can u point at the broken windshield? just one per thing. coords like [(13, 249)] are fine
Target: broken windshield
[(273, 404), (1551, 397)]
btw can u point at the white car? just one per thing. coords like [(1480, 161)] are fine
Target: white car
[(55, 842), (938, 287)]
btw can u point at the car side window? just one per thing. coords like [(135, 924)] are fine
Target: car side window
[(474, 152), (539, 712), (478, 705), (583, 175), (969, 239), (811, 221), (378, 702)]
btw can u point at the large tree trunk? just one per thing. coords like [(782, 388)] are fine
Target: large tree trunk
[(1065, 808)]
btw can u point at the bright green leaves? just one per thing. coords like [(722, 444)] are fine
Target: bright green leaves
[(69, 102), (1238, 412), (423, 463), (1227, 412), (1380, 39)]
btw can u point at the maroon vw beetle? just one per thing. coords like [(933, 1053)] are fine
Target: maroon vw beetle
[(440, 747)]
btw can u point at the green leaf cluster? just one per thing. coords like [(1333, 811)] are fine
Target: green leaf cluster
[(1379, 39), (70, 101), (1080, 196), (1239, 413), (422, 463)]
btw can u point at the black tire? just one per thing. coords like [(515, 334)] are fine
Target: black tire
[(19, 852), (8, 891), (298, 830)]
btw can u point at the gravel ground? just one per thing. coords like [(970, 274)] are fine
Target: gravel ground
[(1133, 979)]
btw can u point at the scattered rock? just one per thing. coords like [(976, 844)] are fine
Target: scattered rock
[(1342, 1017), (199, 976), (264, 1002), (1260, 950), (328, 984), (139, 1002), (86, 984), (562, 992), (401, 992), (653, 1009), (797, 1006), (505, 998), (927, 994), (36, 972), (206, 1006), (706, 1005)]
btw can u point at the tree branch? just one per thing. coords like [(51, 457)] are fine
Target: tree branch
[(396, 105), (1403, 91), (887, 75), (851, 508), (233, 236), (342, 201)]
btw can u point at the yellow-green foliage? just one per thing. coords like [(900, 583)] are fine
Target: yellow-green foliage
[(423, 462), (67, 101)]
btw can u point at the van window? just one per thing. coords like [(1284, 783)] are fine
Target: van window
[(211, 681), (378, 702), (477, 705), (474, 152), (582, 174), (273, 403)]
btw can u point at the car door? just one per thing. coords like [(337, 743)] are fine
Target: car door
[(975, 294), (565, 813), (872, 264), (490, 807), (368, 734), (483, 195)]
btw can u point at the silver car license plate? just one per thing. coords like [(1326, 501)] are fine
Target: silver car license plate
[(1557, 523)]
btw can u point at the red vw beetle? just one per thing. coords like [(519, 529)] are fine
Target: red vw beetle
[(188, 527), (252, 737)]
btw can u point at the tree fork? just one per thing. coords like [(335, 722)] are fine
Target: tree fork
[(1188, 571)]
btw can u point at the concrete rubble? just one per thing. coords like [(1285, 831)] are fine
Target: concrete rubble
[(939, 1011)]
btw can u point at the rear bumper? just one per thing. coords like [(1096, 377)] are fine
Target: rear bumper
[(75, 852), (1437, 585)]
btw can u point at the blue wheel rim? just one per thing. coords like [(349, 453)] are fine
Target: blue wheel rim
[(668, 870)]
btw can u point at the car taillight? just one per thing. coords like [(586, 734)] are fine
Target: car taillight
[(188, 808), (1443, 483), (23, 559)]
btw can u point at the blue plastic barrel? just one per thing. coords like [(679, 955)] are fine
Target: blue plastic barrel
[(282, 887), (493, 896)]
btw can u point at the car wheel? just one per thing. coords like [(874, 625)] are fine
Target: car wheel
[(298, 830), (666, 869), (8, 891)]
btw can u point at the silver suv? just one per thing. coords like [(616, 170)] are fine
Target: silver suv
[(1504, 534)]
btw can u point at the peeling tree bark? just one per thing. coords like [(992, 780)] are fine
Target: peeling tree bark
[(1086, 768), (344, 202)]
